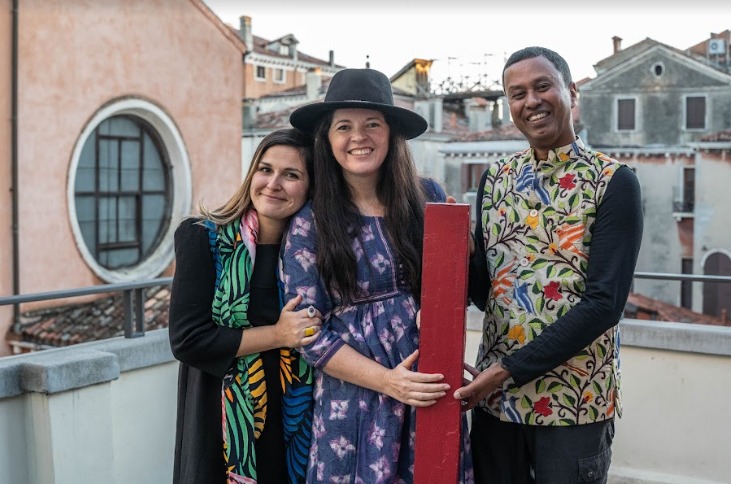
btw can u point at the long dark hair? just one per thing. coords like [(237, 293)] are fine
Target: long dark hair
[(337, 218), (240, 202)]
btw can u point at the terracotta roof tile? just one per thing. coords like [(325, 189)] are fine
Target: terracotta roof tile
[(720, 136), (506, 132), (100, 319), (643, 307)]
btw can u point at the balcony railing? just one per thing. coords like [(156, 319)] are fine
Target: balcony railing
[(133, 297), (683, 206)]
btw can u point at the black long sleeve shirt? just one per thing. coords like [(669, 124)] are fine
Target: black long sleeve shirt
[(615, 243)]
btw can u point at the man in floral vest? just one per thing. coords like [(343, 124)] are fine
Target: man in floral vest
[(558, 233)]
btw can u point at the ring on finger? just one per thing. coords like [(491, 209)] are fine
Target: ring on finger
[(309, 330), (311, 311)]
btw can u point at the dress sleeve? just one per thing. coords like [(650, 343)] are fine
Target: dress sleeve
[(615, 245), (195, 338), (300, 276), (434, 191)]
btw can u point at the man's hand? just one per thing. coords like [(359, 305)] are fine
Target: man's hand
[(482, 384)]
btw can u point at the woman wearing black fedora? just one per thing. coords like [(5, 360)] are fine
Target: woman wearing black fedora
[(354, 253)]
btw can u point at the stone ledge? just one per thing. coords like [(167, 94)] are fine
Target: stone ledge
[(78, 366), (53, 373), (690, 338)]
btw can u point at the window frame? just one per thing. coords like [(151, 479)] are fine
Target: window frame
[(180, 202), (636, 118), (256, 73), (706, 109), (104, 250), (277, 71)]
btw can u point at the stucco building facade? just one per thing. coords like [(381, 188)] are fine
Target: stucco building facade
[(120, 118)]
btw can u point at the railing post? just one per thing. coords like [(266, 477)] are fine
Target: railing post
[(134, 312)]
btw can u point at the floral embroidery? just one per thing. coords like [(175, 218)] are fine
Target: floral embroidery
[(537, 226), (552, 291), (543, 407), (517, 333), (567, 181)]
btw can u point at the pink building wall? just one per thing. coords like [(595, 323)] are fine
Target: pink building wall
[(76, 56), (6, 248)]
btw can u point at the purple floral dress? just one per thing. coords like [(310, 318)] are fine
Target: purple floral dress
[(359, 436)]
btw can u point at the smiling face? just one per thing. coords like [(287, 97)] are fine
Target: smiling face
[(279, 186), (540, 104), (359, 141)]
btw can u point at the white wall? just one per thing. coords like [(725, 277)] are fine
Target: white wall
[(112, 416)]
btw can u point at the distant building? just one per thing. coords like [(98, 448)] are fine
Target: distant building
[(277, 65), (651, 94), (119, 121), (663, 111)]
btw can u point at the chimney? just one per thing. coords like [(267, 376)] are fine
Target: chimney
[(505, 108), (245, 32), (332, 58), (617, 43), (248, 112), (476, 114), (495, 120), (313, 82)]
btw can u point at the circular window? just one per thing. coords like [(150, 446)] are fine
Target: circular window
[(122, 192), (126, 189), (658, 69)]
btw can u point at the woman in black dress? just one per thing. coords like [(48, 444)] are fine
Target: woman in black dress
[(232, 336)]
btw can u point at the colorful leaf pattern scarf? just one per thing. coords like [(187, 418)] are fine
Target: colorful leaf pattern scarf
[(244, 396)]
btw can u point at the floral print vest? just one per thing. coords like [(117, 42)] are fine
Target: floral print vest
[(537, 219)]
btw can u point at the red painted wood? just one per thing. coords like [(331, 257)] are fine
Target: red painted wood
[(442, 339)]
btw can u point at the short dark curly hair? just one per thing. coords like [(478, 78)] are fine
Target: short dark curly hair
[(530, 52)]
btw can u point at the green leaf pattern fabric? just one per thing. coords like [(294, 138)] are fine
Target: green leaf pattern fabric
[(537, 219), (243, 393)]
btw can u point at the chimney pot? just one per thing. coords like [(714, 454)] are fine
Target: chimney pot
[(313, 82), (617, 43), (245, 32)]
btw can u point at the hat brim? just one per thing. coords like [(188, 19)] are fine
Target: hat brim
[(405, 122)]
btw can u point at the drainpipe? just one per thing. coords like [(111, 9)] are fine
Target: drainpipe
[(14, 163)]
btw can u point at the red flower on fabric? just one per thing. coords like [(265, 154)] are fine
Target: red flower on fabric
[(567, 181), (551, 291), (543, 407)]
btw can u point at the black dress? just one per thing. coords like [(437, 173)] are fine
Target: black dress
[(264, 310), (206, 352)]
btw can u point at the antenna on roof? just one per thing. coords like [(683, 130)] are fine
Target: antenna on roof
[(368, 61)]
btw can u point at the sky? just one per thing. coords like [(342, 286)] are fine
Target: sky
[(474, 37)]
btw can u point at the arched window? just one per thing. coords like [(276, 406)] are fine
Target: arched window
[(122, 192)]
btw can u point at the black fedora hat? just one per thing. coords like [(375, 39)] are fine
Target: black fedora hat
[(364, 89)]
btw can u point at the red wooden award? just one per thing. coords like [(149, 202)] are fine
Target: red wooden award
[(442, 339)]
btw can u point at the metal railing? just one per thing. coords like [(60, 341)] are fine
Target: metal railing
[(133, 298), (681, 277)]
